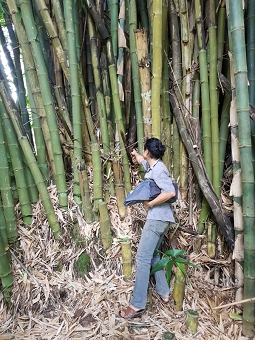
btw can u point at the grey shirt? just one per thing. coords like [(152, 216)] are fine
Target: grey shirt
[(159, 173)]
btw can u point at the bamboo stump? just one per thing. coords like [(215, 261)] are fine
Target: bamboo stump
[(192, 321)]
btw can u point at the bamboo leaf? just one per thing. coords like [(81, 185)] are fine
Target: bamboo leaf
[(184, 261), (169, 267), (160, 265), (181, 266), (175, 252), (235, 316)]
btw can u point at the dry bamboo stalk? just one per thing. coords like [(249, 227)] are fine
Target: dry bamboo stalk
[(105, 226), (119, 187), (234, 303), (144, 70)]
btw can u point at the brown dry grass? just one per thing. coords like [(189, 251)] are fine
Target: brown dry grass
[(50, 302)]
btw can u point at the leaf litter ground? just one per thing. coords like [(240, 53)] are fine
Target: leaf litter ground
[(50, 301)]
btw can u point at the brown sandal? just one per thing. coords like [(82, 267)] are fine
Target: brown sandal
[(130, 313)]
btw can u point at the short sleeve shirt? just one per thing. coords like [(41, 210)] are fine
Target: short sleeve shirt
[(159, 173)]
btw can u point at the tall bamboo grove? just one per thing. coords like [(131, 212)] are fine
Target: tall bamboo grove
[(85, 82)]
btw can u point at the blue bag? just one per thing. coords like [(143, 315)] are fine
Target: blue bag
[(147, 191)]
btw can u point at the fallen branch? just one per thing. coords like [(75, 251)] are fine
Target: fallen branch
[(235, 303), (200, 172)]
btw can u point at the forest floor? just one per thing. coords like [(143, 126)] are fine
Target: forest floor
[(50, 301)]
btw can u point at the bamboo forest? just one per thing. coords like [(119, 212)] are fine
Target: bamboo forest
[(82, 84)]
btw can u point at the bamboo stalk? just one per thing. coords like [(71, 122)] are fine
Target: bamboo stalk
[(179, 288), (6, 194), (76, 100), (105, 226), (60, 23), (85, 192), (192, 321), (39, 180), (176, 74), (126, 258), (52, 33), (135, 75), (144, 70), (114, 27), (214, 97), (16, 159), (18, 73), (118, 113), (156, 66), (30, 27), (5, 273), (242, 104), (211, 239), (119, 188), (34, 94)]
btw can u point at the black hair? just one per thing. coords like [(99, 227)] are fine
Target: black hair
[(155, 148)]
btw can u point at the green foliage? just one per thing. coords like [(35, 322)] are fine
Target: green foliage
[(171, 257), (82, 264), (2, 20)]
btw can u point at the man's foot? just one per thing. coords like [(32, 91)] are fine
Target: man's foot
[(130, 313)]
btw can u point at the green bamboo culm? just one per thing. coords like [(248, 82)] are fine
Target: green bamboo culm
[(3, 231), (114, 27), (32, 34), (6, 193), (17, 164), (40, 127), (126, 257), (135, 74), (144, 15), (52, 33), (221, 34), (179, 288), (205, 99), (192, 321), (98, 84), (76, 101), (6, 275), (97, 176), (205, 102), (214, 97), (250, 28), (166, 112), (118, 114), (31, 161), (176, 74), (60, 23), (20, 81), (242, 101), (109, 186), (95, 150), (185, 90), (156, 67), (223, 134)]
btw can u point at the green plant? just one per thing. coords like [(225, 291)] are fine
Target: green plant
[(172, 257)]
